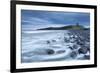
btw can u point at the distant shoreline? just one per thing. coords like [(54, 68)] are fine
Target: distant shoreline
[(71, 27)]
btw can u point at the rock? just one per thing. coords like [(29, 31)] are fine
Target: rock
[(73, 54), (60, 51), (43, 52), (50, 51), (87, 40), (72, 40), (87, 56), (71, 48), (87, 46), (53, 40), (82, 50), (68, 33), (75, 46), (66, 40), (48, 42), (80, 43), (88, 49)]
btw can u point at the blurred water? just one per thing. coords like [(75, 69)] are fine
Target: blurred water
[(55, 45)]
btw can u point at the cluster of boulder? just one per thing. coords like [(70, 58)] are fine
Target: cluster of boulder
[(81, 43), (80, 40)]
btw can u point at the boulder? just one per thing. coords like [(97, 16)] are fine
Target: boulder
[(48, 42), (86, 56), (73, 54), (60, 51), (66, 39), (83, 50), (71, 48), (43, 51), (53, 40), (75, 46), (80, 43), (50, 51), (87, 46)]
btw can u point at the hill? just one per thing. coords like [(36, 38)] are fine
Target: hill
[(70, 27)]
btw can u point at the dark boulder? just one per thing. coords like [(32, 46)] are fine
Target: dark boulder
[(48, 42), (71, 48), (66, 40), (75, 46), (82, 50), (60, 51), (86, 56), (43, 52), (81, 43), (50, 51), (73, 54), (87, 46), (53, 40)]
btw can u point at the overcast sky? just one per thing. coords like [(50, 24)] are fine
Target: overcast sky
[(33, 19)]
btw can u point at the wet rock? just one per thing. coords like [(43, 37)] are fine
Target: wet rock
[(73, 54), (71, 48), (43, 52), (50, 51), (72, 40), (48, 42), (80, 43), (66, 40), (76, 40), (88, 49), (75, 46), (68, 33), (53, 40), (82, 50), (60, 51), (86, 56), (87, 46)]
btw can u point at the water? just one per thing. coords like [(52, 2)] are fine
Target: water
[(55, 45)]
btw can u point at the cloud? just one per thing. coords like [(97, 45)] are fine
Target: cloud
[(32, 19)]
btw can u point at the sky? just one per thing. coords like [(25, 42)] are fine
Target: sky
[(35, 19)]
